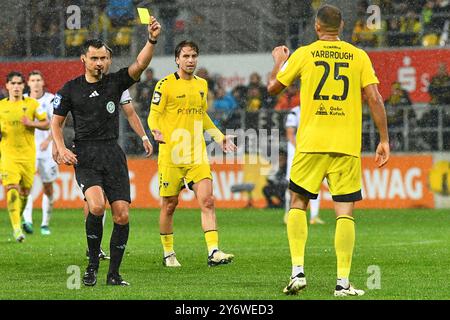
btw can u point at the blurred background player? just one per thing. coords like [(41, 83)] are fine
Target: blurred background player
[(179, 106), (292, 121), (46, 166), (18, 152)]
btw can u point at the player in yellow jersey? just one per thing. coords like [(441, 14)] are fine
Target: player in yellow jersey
[(332, 74), (17, 124), (178, 119)]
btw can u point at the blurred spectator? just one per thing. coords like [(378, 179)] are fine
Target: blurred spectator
[(289, 99), (395, 113), (168, 13), (144, 92), (439, 88), (364, 36), (427, 15), (275, 189), (203, 73), (254, 99), (410, 27), (39, 41), (224, 104), (240, 95), (120, 12), (255, 82)]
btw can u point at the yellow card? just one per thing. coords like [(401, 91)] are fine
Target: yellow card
[(144, 15)]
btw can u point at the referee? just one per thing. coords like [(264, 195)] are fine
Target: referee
[(100, 164)]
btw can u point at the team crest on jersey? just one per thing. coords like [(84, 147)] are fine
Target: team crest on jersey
[(56, 101), (165, 184), (202, 94), (156, 98), (111, 107)]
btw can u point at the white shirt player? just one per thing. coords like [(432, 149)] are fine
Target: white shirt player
[(46, 103), (292, 120)]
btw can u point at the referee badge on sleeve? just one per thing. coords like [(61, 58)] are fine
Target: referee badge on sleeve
[(56, 101), (156, 98)]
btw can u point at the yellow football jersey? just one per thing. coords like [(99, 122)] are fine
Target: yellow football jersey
[(17, 142), (332, 75), (178, 110)]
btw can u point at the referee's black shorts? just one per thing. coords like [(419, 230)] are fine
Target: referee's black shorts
[(104, 164)]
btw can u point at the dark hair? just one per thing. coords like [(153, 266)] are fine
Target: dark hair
[(330, 17), (186, 43), (35, 73), (96, 43), (13, 74)]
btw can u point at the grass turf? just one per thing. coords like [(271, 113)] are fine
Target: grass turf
[(408, 247)]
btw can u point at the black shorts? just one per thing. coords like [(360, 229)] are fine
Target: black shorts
[(103, 164)]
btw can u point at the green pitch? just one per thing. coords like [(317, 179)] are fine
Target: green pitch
[(400, 254)]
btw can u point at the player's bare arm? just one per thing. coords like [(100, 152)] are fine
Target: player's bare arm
[(290, 134), (145, 56), (376, 106), (62, 153), (39, 124), (136, 125), (280, 55), (44, 145)]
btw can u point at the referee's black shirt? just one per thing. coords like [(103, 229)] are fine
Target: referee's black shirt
[(94, 106)]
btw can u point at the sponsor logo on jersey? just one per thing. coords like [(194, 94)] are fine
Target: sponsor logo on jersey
[(56, 101), (94, 94), (182, 96), (189, 111), (110, 107), (322, 111), (156, 97)]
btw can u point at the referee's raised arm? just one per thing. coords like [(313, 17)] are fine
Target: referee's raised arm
[(145, 56)]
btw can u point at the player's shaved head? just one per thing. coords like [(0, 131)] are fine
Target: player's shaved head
[(329, 17)]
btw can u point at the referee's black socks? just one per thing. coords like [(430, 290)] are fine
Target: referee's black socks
[(94, 234), (119, 239)]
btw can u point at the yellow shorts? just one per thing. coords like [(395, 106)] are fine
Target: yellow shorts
[(173, 179), (343, 173), (19, 173)]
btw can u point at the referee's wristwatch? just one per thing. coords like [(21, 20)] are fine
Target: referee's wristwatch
[(152, 41)]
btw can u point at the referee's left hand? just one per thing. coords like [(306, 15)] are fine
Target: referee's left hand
[(148, 148), (228, 144), (154, 28)]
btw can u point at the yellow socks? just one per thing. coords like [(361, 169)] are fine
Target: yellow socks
[(23, 203), (344, 241), (14, 206), (167, 243), (297, 230), (212, 240)]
